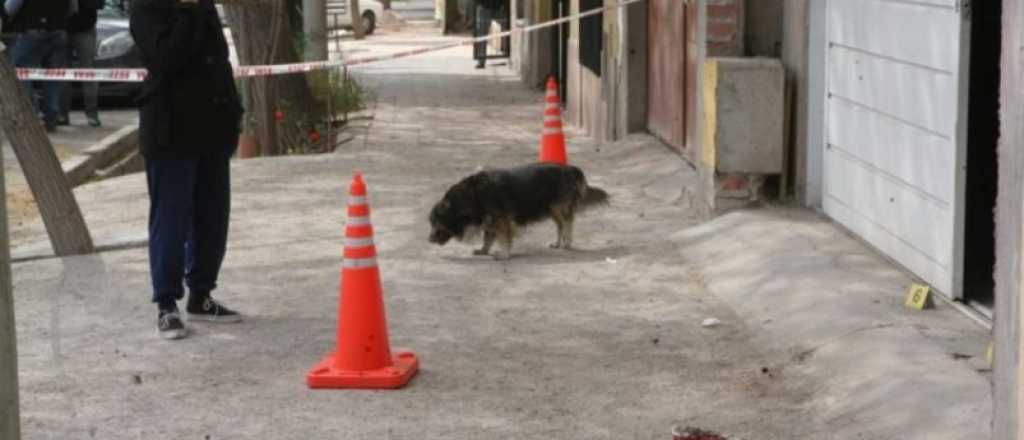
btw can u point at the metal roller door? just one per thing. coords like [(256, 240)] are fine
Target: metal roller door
[(895, 130)]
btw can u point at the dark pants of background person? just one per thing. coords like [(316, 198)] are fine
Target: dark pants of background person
[(190, 205), (82, 50), (484, 17), (483, 27), (38, 48)]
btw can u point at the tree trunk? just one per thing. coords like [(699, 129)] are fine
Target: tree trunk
[(57, 206), (10, 420), (314, 26), (262, 34), (357, 19)]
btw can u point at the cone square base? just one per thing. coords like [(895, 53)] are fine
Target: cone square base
[(324, 375)]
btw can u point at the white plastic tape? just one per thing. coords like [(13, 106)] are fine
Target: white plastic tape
[(137, 75)]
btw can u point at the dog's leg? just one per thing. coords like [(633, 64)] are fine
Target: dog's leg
[(505, 232), (561, 230), (559, 219), (488, 241), (566, 235)]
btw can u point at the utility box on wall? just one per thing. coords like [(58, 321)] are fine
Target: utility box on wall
[(744, 122)]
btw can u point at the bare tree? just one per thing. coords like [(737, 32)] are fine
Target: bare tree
[(10, 418), (357, 19), (57, 206), (263, 34)]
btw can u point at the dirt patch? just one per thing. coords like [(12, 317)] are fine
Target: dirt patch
[(21, 212)]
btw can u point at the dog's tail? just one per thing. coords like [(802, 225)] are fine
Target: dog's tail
[(589, 196), (593, 197)]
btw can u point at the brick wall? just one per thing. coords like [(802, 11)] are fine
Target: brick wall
[(725, 28)]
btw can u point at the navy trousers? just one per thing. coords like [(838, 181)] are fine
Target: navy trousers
[(39, 49), (190, 205)]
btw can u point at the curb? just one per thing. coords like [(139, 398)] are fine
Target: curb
[(83, 166)]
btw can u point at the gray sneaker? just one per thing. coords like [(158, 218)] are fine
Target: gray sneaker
[(170, 326)]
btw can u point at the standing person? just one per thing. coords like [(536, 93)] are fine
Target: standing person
[(189, 116), (5, 23), (82, 48), (486, 11), (42, 41)]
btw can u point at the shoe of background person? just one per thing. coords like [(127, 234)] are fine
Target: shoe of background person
[(94, 121)]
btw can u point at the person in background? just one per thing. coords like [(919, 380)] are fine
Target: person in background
[(42, 41), (190, 117), (5, 23), (82, 49), (486, 12)]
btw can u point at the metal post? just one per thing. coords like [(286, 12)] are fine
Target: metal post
[(314, 25), (329, 135), (346, 84), (10, 418)]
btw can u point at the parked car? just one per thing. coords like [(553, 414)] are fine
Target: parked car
[(338, 16), (115, 49)]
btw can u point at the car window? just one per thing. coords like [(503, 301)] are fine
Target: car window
[(115, 9)]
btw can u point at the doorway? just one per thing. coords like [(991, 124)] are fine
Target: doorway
[(982, 165), (666, 73), (560, 47)]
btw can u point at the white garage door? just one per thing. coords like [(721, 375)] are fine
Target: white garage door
[(893, 161)]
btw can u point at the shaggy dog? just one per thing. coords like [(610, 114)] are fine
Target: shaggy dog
[(498, 201)]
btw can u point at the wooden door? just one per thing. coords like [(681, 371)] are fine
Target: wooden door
[(667, 60)]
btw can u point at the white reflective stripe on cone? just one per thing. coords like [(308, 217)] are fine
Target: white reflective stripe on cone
[(359, 263), (358, 242), (552, 118), (356, 200), (359, 221), (550, 131), (552, 106)]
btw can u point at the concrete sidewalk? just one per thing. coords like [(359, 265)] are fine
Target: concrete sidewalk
[(67, 142), (604, 342)]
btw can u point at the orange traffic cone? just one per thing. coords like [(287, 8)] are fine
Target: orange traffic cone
[(552, 141), (363, 358)]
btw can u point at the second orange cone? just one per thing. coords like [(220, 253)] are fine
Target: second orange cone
[(363, 356), (552, 141)]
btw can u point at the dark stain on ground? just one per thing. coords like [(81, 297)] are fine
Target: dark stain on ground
[(695, 434)]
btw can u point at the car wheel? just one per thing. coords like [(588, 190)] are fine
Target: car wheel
[(369, 22)]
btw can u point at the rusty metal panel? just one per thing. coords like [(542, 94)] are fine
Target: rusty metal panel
[(667, 58)]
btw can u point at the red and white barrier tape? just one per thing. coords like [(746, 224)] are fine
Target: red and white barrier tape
[(137, 75)]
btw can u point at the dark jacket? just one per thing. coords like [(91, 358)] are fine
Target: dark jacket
[(85, 19), (189, 104), (493, 5), (48, 15)]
